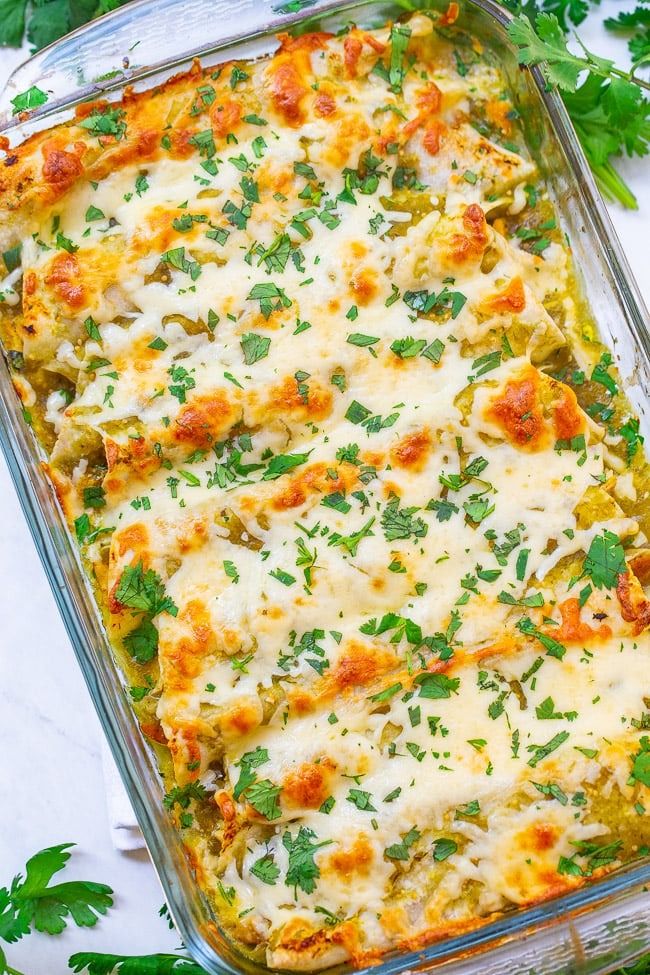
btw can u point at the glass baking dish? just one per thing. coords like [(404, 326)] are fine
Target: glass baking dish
[(592, 930)]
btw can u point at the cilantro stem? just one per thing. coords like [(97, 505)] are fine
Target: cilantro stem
[(625, 75), (592, 63), (613, 186)]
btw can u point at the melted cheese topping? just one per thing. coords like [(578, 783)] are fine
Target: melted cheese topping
[(297, 327)]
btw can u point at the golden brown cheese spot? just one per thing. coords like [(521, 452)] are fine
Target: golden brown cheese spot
[(314, 479), (30, 283), (181, 147), (62, 168), (411, 451), (153, 730), (135, 455), (315, 40), (300, 701), (287, 398), (242, 718), (307, 786), (287, 79), (299, 942), (511, 299), (356, 859), (364, 285), (470, 245), (192, 537), (353, 46), (359, 665), (517, 410), (543, 836), (141, 145), (157, 232), (432, 138), (429, 101), (204, 420), (350, 132), (573, 629), (324, 104), (568, 419), (64, 278), (225, 117), (183, 661), (196, 615), (635, 606), (134, 538), (394, 921)]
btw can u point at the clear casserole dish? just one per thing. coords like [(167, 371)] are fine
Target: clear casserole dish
[(591, 930)]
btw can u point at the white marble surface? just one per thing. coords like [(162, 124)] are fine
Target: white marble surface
[(51, 788)]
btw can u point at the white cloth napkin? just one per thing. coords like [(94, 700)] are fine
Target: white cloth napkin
[(125, 832)]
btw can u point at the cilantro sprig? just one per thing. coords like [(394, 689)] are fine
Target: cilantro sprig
[(143, 592), (32, 903), (607, 106)]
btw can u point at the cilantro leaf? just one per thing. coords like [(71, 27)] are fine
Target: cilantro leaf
[(545, 44), (444, 848), (302, 870), (641, 763), (637, 24), (400, 851), (33, 902), (540, 752), (282, 463), (49, 21), (142, 642), (95, 963), (351, 542), (263, 797), (608, 110), (143, 591), (183, 795), (246, 764), (553, 647), (605, 560), (265, 869), (12, 22), (29, 99), (399, 523), (574, 11), (362, 800), (437, 686), (255, 347), (106, 121)]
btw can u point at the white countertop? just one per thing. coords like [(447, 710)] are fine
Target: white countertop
[(50, 768)]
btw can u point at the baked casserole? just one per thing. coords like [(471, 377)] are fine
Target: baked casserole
[(354, 480)]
